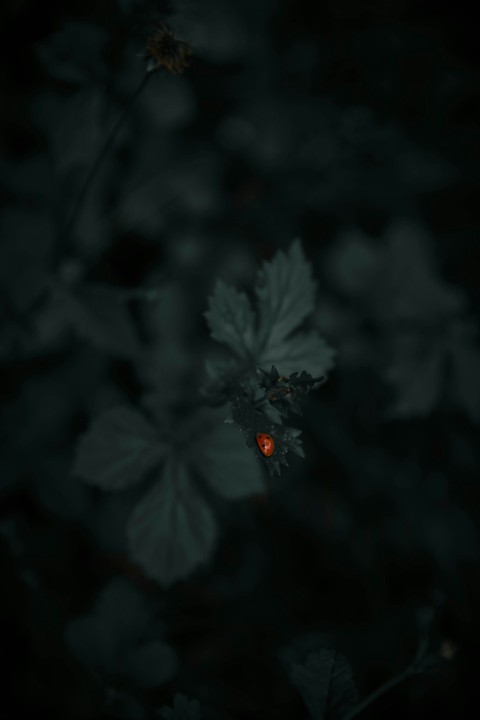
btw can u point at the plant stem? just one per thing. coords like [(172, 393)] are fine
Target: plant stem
[(411, 669), (101, 157), (380, 691)]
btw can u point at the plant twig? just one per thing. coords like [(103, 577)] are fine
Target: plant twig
[(101, 157), (411, 669)]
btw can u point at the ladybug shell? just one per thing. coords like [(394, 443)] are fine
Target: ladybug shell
[(265, 444)]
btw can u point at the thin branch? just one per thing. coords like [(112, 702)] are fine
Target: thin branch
[(101, 157), (411, 669)]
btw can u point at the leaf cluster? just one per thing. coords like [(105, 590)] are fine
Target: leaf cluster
[(270, 334)]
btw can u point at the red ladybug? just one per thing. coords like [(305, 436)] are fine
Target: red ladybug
[(265, 443)]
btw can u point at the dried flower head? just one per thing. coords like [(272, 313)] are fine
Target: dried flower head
[(167, 50), (448, 649)]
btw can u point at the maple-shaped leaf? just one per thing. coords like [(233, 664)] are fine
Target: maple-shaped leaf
[(285, 293)]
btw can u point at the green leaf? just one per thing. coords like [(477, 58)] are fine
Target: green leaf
[(231, 318), (286, 296), (326, 684), (99, 316), (117, 450), (183, 709), (303, 351), (172, 530), (229, 467), (116, 637)]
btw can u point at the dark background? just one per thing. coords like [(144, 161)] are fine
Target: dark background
[(344, 124)]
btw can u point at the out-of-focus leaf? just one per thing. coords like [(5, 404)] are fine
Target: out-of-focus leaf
[(416, 374), (353, 262), (172, 530), (183, 709), (116, 637), (117, 450), (286, 294), (408, 285), (231, 319), (326, 684), (422, 315), (99, 316), (228, 465)]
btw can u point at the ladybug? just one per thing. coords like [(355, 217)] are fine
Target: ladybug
[(265, 443)]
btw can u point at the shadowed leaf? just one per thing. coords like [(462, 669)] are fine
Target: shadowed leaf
[(326, 684), (116, 637), (416, 376), (172, 530), (117, 450)]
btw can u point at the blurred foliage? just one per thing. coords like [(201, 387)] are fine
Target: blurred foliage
[(151, 565)]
